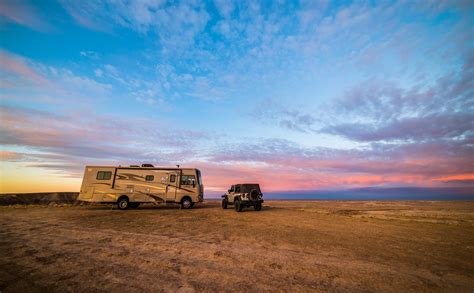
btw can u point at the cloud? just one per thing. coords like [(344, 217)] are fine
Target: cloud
[(231, 48), (37, 82), (225, 7), (19, 66), (90, 54), (176, 23), (26, 79), (66, 142), (94, 137), (435, 126), (381, 111), (24, 13), (407, 130), (98, 72), (271, 112), (10, 156), (378, 164), (458, 179), (88, 14), (71, 83)]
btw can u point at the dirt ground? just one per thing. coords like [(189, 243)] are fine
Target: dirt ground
[(288, 246)]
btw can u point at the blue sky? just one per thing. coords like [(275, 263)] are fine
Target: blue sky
[(320, 94)]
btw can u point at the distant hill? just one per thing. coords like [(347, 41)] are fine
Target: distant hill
[(39, 198), (378, 193)]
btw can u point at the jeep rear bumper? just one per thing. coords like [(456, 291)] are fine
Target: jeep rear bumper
[(250, 203)]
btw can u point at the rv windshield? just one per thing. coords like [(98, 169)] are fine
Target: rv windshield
[(198, 173)]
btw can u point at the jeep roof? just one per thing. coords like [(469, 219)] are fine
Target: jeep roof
[(247, 187)]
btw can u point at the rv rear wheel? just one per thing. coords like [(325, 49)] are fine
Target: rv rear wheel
[(186, 203), (258, 207), (224, 203), (123, 203), (238, 206)]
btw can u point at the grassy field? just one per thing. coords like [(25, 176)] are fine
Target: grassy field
[(288, 246)]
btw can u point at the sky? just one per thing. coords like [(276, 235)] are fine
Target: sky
[(298, 96)]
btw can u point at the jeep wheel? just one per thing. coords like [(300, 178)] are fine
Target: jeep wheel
[(254, 194), (224, 203), (123, 203), (258, 207), (237, 206)]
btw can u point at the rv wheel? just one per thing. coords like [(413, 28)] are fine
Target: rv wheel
[(123, 203), (237, 206), (224, 203), (258, 207), (186, 203)]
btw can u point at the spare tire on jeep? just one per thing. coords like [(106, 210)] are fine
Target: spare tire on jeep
[(254, 194)]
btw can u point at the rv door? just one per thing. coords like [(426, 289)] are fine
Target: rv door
[(172, 187)]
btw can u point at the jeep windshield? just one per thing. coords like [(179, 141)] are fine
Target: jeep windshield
[(246, 188)]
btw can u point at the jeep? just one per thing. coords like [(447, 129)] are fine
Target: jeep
[(243, 196)]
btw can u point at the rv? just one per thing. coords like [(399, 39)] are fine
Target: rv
[(129, 186)]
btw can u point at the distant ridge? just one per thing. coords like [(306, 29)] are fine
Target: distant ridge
[(379, 193), (40, 198)]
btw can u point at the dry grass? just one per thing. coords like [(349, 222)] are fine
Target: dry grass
[(288, 246)]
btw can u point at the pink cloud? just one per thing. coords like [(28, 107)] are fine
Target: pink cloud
[(10, 156), (23, 13), (456, 178), (218, 178), (18, 66), (84, 21), (287, 169)]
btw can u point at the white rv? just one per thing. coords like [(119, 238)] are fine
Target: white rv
[(132, 185)]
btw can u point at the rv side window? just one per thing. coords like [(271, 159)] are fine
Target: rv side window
[(104, 175), (172, 178), (188, 179), (149, 178)]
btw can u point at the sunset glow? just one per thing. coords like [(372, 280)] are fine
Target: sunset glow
[(297, 96)]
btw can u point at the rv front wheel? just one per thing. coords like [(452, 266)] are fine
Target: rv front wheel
[(186, 203), (123, 203)]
